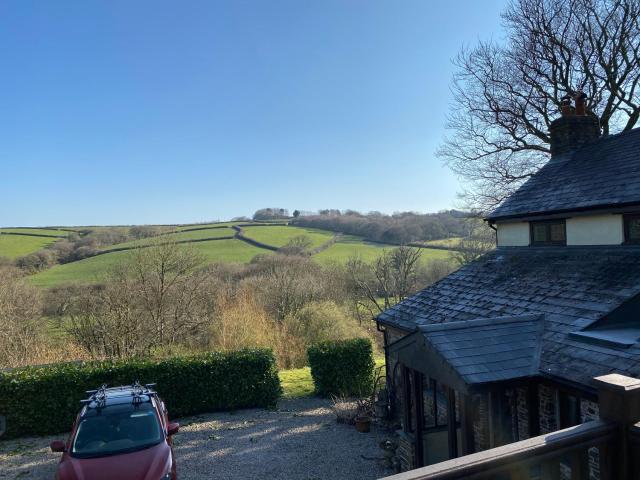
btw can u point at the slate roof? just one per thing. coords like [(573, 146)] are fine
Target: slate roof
[(481, 351), (570, 287), (603, 173)]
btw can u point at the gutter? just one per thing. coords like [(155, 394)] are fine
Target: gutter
[(605, 208)]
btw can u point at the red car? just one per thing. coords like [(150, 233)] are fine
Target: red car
[(121, 433)]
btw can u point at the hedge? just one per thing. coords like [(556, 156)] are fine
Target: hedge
[(45, 400), (343, 367)]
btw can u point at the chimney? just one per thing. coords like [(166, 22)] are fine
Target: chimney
[(575, 127)]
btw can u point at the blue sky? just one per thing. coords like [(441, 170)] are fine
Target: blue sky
[(132, 112)]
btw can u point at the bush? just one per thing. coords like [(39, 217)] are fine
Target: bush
[(45, 400), (316, 322), (343, 367), (37, 261)]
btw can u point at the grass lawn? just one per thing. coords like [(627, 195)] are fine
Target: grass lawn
[(350, 246), (298, 382), (13, 246), (94, 269), (281, 235), (177, 237)]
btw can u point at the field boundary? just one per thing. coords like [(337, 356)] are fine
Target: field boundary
[(336, 237), (179, 242), (240, 236), (40, 235)]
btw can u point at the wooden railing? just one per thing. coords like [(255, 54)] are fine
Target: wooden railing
[(608, 448)]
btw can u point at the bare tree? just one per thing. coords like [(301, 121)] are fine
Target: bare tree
[(105, 322), (507, 94), (389, 280), (165, 285), (299, 245), (285, 284), (479, 240), (157, 298), (20, 307)]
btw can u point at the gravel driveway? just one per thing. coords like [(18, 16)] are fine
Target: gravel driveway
[(299, 441)]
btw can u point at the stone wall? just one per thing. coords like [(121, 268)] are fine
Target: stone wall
[(548, 398), (481, 422), (522, 413)]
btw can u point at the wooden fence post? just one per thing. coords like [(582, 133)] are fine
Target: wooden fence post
[(619, 400)]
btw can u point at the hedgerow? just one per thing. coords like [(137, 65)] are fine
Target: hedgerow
[(45, 400), (343, 367)]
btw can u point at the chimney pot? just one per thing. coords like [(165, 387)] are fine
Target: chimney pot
[(565, 105), (580, 103), (574, 128)]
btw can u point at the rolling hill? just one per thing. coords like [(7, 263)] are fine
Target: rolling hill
[(225, 242), (17, 242)]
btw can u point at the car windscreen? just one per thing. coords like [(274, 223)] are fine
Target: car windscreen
[(116, 430)]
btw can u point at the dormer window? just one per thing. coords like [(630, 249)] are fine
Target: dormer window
[(632, 228), (548, 232)]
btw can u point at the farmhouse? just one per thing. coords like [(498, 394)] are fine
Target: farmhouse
[(506, 348)]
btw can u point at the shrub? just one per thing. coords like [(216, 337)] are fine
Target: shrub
[(343, 367), (37, 261), (345, 410), (45, 400), (315, 322)]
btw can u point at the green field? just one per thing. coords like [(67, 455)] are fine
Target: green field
[(228, 251), (281, 235), (445, 242), (14, 246), (89, 270), (350, 246), (177, 237), (181, 228), (94, 269), (221, 224)]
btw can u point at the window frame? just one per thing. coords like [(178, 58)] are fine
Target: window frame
[(547, 224), (626, 218)]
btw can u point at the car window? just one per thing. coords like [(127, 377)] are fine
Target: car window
[(115, 432)]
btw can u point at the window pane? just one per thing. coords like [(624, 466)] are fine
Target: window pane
[(634, 229), (442, 403), (539, 233), (428, 399), (557, 232), (410, 406)]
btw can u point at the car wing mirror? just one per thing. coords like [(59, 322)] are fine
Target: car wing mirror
[(57, 446), (173, 428)]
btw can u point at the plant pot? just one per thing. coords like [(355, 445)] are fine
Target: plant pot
[(363, 424), (381, 409)]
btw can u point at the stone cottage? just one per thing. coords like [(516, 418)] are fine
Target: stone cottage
[(506, 347)]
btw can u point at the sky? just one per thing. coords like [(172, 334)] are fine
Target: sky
[(142, 112)]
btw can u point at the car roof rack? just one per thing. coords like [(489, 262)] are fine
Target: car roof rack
[(139, 394), (99, 396)]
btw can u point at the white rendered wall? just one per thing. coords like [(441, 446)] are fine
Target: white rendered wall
[(514, 234), (595, 230)]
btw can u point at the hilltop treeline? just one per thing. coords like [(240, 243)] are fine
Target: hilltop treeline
[(400, 228), (271, 213)]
